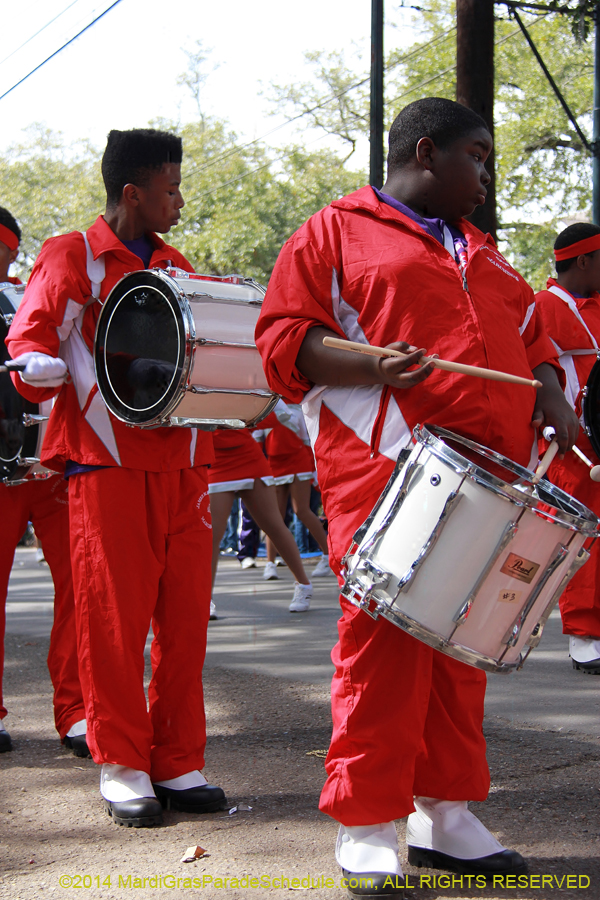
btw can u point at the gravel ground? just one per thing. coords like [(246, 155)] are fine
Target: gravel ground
[(266, 737)]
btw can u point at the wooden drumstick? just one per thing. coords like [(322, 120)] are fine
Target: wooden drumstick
[(14, 367), (594, 470), (446, 365), (545, 461)]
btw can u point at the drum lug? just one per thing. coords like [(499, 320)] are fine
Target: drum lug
[(400, 463), (507, 535), (512, 635), (368, 576)]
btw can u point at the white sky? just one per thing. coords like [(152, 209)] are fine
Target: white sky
[(123, 71)]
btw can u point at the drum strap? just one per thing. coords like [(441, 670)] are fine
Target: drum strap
[(569, 300)]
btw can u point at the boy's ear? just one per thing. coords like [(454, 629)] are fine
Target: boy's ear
[(131, 194), (424, 152)]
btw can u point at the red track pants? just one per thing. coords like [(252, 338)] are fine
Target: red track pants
[(45, 503), (580, 603), (407, 719), (141, 548)]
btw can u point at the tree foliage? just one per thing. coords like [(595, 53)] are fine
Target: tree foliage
[(543, 170)]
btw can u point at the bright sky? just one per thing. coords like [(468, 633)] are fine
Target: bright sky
[(123, 71)]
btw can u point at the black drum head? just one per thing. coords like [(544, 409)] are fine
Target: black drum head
[(140, 347), (591, 407)]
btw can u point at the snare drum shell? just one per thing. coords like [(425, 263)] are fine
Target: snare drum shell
[(459, 562)]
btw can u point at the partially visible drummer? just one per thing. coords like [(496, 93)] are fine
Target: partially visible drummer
[(570, 308), (377, 267), (140, 528), (46, 504)]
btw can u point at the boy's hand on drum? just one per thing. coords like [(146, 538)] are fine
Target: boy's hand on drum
[(394, 370), (551, 409)]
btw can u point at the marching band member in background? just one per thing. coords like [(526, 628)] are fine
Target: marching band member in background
[(45, 503), (375, 267), (292, 463), (570, 309), (141, 538), (241, 467)]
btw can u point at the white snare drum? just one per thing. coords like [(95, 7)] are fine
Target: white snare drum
[(174, 348), (462, 560)]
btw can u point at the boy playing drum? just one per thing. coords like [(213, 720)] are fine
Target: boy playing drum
[(375, 267)]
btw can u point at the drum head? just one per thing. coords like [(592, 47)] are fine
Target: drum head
[(591, 407), (141, 347)]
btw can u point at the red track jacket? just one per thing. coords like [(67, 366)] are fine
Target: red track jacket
[(366, 271), (52, 319)]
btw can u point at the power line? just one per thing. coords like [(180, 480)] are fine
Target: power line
[(56, 52), (417, 52), (43, 28)]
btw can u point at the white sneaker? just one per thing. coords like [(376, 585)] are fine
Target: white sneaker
[(213, 611), (39, 556), (270, 573), (322, 568), (248, 562), (302, 595)]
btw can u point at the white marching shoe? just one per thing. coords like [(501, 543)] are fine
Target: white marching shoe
[(270, 571), (444, 834), (585, 653), (368, 856), (129, 797), (301, 599)]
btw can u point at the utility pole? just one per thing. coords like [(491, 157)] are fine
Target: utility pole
[(475, 84), (376, 112)]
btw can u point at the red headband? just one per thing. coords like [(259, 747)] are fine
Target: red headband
[(587, 245), (9, 238)]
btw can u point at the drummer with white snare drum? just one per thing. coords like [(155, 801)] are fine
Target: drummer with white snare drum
[(375, 267), (140, 529), (570, 309), (45, 503)]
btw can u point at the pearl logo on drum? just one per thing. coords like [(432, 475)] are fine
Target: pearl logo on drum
[(522, 569)]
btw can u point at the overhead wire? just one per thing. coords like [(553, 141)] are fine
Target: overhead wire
[(39, 31), (322, 104), (60, 49)]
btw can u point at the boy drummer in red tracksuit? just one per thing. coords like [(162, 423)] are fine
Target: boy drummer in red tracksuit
[(45, 503), (375, 267), (140, 529), (570, 309)]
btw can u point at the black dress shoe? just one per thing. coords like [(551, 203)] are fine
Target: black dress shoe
[(5, 742), (364, 885), (143, 812), (590, 668), (78, 745), (505, 862), (203, 799)]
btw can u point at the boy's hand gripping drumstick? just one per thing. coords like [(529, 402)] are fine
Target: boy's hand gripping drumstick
[(545, 461), (444, 364)]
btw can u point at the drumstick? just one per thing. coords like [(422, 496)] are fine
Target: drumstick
[(594, 470), (15, 367), (545, 461), (446, 365)]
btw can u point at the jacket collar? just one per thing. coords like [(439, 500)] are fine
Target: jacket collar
[(103, 240), (365, 199)]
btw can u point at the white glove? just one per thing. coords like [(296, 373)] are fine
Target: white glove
[(42, 370)]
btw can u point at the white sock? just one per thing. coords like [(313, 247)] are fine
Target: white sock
[(120, 783), (184, 782), (368, 848)]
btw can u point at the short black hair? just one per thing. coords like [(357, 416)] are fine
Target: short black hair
[(571, 235), (131, 157), (9, 221), (444, 121)]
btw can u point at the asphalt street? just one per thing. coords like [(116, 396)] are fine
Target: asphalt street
[(255, 633)]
